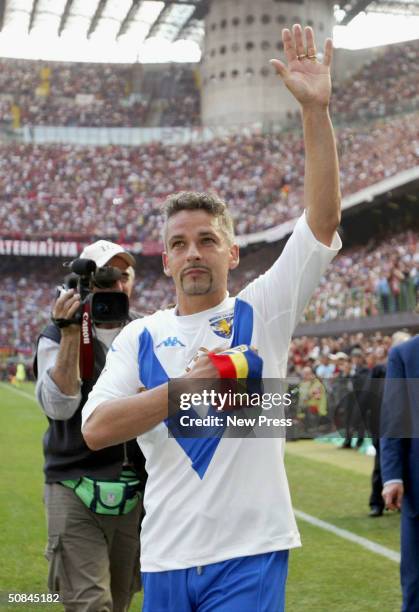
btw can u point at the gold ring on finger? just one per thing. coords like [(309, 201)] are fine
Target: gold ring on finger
[(312, 57), (302, 56)]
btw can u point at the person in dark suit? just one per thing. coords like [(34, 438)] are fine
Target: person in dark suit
[(400, 459), (370, 404), (354, 423)]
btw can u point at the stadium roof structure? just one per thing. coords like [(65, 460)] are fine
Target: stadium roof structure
[(128, 30), (168, 19), (395, 7)]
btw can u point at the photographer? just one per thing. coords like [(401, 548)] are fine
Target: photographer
[(92, 499)]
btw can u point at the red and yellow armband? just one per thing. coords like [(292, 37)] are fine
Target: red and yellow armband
[(240, 362)]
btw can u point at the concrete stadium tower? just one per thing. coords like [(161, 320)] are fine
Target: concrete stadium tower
[(238, 84)]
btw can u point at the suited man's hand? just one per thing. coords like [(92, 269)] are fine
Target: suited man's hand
[(393, 496)]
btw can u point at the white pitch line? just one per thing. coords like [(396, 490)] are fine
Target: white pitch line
[(348, 535), (10, 387)]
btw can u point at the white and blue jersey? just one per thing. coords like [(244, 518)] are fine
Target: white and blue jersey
[(209, 500)]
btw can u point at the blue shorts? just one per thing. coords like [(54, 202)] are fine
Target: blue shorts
[(245, 584)]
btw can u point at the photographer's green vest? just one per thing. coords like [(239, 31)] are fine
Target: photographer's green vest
[(99, 478)]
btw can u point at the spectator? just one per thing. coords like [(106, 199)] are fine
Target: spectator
[(312, 400), (325, 369)]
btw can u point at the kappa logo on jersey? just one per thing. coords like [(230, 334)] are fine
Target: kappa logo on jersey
[(222, 325), (170, 341)]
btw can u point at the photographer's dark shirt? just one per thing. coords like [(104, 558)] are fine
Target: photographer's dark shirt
[(66, 453)]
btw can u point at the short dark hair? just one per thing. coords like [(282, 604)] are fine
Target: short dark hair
[(192, 200)]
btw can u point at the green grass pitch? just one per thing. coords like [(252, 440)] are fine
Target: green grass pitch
[(328, 573)]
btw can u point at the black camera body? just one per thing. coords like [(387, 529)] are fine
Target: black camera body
[(101, 306)]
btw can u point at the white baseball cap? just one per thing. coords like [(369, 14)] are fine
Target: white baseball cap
[(102, 251)]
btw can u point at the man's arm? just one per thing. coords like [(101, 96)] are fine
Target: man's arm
[(56, 404), (119, 420), (113, 421), (309, 81), (282, 293), (58, 386), (66, 373)]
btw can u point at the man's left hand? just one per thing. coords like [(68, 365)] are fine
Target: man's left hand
[(306, 78), (393, 495)]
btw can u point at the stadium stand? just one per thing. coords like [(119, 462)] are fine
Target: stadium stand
[(67, 191), (95, 95), (179, 98), (83, 94), (79, 193), (307, 351), (74, 194), (363, 281), (387, 85)]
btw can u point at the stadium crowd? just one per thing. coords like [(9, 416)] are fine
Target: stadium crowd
[(362, 281), (93, 95), (83, 94), (180, 98), (68, 191), (366, 281), (64, 79), (335, 351), (387, 85), (89, 113), (336, 383)]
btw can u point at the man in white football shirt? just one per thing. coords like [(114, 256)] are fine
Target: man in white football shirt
[(219, 521)]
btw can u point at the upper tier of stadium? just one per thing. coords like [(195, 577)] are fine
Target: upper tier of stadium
[(122, 95), (96, 95)]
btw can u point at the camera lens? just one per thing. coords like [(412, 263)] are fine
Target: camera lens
[(109, 306), (101, 308)]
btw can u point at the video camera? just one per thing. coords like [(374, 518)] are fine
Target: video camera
[(102, 306)]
